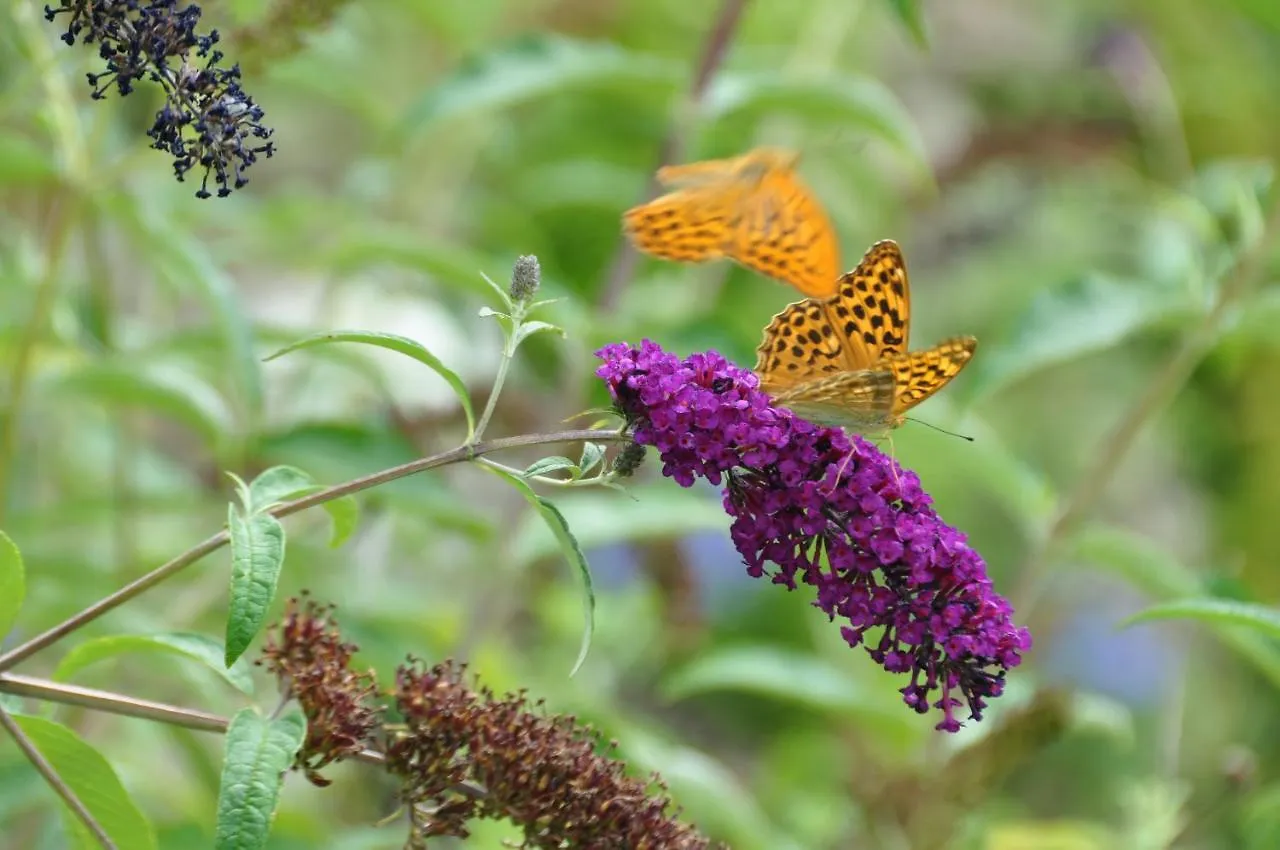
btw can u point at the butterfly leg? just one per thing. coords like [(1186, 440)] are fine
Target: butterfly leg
[(897, 475), (844, 464)]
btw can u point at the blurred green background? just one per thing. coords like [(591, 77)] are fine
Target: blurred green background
[(1071, 182)]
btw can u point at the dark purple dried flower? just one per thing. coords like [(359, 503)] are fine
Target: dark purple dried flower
[(798, 492), (207, 120)]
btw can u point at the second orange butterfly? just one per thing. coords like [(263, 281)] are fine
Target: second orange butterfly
[(752, 209)]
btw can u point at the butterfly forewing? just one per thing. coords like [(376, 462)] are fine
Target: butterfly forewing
[(920, 374), (873, 302), (799, 345)]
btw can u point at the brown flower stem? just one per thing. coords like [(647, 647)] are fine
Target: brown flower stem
[(42, 766), (217, 541), (1159, 392), (127, 706), (672, 148), (111, 703)]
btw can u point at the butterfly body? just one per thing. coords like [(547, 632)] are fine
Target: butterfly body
[(844, 361), (752, 209)]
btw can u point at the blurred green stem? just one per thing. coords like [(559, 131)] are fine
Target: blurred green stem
[(45, 769), (519, 310), (68, 134), (593, 481), (673, 144), (217, 541), (1159, 392), (20, 369)]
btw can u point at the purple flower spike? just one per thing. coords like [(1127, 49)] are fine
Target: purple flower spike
[(905, 584)]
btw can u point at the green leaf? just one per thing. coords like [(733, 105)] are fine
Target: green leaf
[(1160, 574), (275, 485), (785, 676), (660, 512), (180, 396), (258, 752), (909, 14), (1210, 610), (400, 344), (592, 454), (535, 67), (13, 583), (569, 547), (94, 782), (201, 648), (528, 329), (1088, 315), (504, 296), (548, 465), (1135, 558), (846, 100), (285, 483), (257, 554), (344, 513)]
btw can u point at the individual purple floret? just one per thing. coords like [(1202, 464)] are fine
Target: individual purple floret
[(905, 584)]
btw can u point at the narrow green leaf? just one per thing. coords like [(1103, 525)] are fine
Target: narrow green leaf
[(201, 648), (1163, 576), (400, 344), (1088, 315), (572, 552), (285, 483), (503, 293), (548, 465), (275, 485), (1136, 558), (592, 454), (258, 752), (1207, 609), (94, 782), (345, 515), (13, 583), (538, 66), (528, 329), (659, 513), (257, 554), (910, 15)]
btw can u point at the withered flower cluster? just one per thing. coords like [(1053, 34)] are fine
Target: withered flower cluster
[(463, 753)]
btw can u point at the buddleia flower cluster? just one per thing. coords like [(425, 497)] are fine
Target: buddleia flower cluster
[(461, 752), (208, 123), (812, 506)]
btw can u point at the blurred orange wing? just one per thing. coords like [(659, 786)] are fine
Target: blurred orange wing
[(753, 209)]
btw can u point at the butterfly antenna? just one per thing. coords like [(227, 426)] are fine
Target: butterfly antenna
[(942, 430)]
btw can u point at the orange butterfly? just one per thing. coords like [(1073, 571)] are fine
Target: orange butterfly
[(844, 361), (753, 209)]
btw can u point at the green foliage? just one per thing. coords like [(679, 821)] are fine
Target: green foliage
[(95, 783), (258, 752), (1089, 191)]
